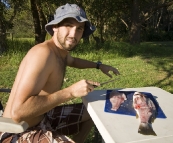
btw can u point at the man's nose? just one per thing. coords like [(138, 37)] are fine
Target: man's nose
[(73, 32)]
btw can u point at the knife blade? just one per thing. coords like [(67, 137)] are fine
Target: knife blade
[(106, 82)]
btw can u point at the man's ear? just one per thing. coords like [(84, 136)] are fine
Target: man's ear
[(55, 27)]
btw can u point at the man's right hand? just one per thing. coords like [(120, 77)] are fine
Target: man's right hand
[(82, 88)]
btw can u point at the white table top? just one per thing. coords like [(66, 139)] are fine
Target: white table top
[(117, 128)]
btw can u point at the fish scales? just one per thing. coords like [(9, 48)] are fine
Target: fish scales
[(146, 112), (116, 99)]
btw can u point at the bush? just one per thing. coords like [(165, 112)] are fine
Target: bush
[(154, 35)]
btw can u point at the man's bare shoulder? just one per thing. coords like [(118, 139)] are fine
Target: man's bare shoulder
[(40, 57), (42, 47), (42, 51)]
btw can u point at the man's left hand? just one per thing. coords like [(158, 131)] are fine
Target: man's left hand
[(106, 69)]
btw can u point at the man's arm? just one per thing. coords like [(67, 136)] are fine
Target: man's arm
[(32, 76), (82, 64)]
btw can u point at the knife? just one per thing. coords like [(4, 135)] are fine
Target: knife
[(106, 82)]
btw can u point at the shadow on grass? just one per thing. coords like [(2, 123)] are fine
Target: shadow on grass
[(161, 52), (165, 66), (158, 54), (161, 49)]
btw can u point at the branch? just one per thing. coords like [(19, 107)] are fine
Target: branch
[(14, 14), (152, 10), (124, 23)]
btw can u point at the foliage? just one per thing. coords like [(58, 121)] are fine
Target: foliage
[(134, 62), (153, 35), (113, 19), (23, 25), (8, 10), (147, 64), (11, 8)]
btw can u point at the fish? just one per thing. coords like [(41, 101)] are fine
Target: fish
[(146, 112), (116, 98)]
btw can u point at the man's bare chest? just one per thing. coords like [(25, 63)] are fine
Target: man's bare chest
[(56, 78)]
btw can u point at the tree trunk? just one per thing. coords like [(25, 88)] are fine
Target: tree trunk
[(101, 31), (135, 25), (43, 22), (39, 21), (3, 44)]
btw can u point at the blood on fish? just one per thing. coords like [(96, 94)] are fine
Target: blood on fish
[(146, 111), (116, 99)]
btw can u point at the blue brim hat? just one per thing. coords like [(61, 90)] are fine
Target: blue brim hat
[(71, 11)]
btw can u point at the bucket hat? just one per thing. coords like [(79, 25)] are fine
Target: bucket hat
[(70, 11)]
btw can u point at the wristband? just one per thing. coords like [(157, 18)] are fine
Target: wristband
[(98, 65)]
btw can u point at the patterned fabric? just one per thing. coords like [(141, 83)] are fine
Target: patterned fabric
[(56, 124)]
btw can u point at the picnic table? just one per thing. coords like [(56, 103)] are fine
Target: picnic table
[(119, 127), (123, 128)]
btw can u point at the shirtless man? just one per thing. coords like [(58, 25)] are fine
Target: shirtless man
[(36, 92)]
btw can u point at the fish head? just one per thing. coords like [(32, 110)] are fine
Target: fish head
[(116, 98), (115, 95), (139, 98)]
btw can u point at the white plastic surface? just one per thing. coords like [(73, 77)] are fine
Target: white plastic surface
[(116, 128), (8, 125)]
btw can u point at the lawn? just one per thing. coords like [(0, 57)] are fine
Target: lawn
[(147, 64)]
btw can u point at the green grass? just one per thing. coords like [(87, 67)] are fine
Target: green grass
[(147, 64)]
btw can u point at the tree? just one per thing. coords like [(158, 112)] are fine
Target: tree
[(39, 21), (2, 29), (8, 11), (141, 14), (100, 13), (135, 25)]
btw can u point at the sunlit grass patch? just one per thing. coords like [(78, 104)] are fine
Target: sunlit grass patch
[(147, 64)]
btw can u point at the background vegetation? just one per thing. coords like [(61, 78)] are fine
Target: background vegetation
[(134, 36), (147, 64), (131, 21)]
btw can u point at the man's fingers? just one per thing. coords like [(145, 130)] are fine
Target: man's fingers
[(108, 74), (89, 90), (115, 70), (92, 82)]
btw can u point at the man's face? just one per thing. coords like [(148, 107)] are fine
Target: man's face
[(69, 33)]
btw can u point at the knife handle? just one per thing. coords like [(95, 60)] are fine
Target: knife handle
[(95, 86)]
